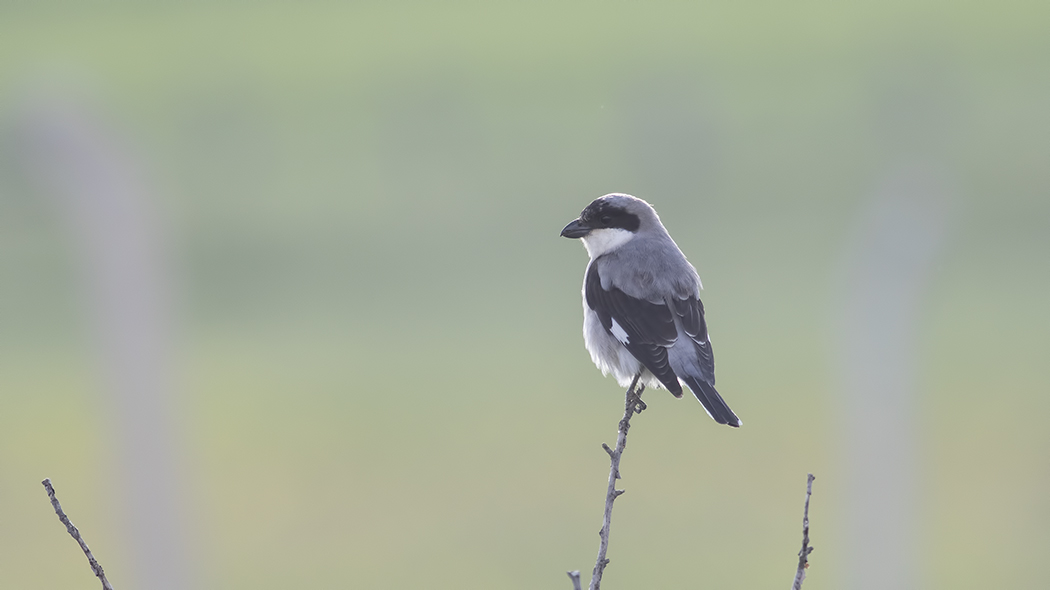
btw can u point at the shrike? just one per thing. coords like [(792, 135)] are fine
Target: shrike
[(642, 314)]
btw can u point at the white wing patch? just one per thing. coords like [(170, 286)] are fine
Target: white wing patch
[(618, 331)]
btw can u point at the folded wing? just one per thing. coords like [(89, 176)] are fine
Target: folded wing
[(645, 328), (668, 337)]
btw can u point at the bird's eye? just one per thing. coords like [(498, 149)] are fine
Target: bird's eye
[(606, 219)]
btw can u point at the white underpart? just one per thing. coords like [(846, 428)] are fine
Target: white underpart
[(604, 240), (610, 355), (619, 333)]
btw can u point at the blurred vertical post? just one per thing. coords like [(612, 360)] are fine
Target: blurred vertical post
[(99, 189), (887, 269)]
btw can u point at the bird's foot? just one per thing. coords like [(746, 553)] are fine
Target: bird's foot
[(634, 401)]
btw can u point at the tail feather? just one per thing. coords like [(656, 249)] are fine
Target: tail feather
[(714, 404)]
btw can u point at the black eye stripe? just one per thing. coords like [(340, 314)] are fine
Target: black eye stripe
[(603, 215)]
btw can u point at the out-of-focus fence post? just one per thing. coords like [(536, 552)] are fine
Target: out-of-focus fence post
[(99, 189), (887, 269)]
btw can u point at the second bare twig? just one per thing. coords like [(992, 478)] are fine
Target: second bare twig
[(803, 555), (73, 532)]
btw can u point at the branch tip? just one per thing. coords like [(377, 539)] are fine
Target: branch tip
[(96, 568), (803, 554)]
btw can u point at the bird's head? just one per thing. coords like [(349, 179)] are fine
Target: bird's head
[(610, 222)]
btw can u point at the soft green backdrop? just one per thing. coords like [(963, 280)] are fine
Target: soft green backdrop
[(350, 186)]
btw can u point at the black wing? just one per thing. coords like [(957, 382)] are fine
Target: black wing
[(649, 327)]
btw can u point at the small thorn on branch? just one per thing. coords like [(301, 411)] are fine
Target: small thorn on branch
[(608, 450), (574, 575), (75, 533)]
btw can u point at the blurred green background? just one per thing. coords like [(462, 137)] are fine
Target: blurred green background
[(347, 187)]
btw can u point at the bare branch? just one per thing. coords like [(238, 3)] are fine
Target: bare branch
[(803, 555), (574, 575), (73, 532), (632, 404)]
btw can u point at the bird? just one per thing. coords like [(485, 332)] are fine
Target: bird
[(643, 320)]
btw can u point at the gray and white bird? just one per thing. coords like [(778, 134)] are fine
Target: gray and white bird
[(642, 314)]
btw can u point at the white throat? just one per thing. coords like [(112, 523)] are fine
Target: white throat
[(602, 241)]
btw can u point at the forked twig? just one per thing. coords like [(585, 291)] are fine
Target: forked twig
[(73, 532)]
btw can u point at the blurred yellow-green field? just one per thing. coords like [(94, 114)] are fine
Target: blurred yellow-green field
[(370, 339)]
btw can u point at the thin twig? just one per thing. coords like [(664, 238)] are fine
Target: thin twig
[(73, 532), (574, 575), (633, 404), (803, 555)]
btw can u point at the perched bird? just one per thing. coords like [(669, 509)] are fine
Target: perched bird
[(642, 315)]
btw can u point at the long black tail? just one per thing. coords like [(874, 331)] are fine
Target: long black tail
[(714, 404)]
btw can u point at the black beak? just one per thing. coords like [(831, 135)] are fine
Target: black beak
[(575, 229)]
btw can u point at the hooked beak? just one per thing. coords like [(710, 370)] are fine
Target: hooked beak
[(575, 229)]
